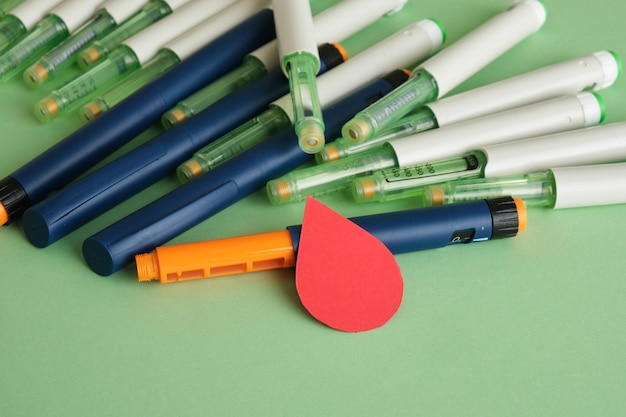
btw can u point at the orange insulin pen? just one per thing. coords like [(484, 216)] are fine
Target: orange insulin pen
[(401, 231)]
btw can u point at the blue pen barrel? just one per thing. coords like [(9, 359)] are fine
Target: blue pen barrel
[(80, 151), (167, 217), (78, 203), (438, 226)]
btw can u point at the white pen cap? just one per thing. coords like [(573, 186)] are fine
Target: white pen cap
[(75, 12), (589, 72), (462, 59), (590, 185), (147, 43), (335, 24), (215, 26), (592, 145), (294, 25), (543, 118), (413, 43), (32, 11), (121, 10)]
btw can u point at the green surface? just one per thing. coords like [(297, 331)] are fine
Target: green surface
[(530, 326)]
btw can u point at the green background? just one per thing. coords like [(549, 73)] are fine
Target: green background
[(529, 326)]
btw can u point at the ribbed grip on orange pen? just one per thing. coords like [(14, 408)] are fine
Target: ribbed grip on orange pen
[(219, 257)]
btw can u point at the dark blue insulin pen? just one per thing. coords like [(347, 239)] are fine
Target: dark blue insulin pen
[(165, 218), (80, 151), (80, 202)]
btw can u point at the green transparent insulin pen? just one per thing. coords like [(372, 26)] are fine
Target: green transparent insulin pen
[(587, 146), (51, 30), (564, 187), (330, 24), (151, 12), (300, 62), (171, 54), (549, 116), (124, 59), (106, 18), (7, 5), (410, 44), (454, 64)]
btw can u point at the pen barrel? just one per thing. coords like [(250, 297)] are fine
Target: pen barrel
[(32, 11), (435, 227), (589, 72), (457, 62), (215, 258)]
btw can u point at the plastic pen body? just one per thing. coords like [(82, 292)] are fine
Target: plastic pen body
[(594, 145), (564, 113), (446, 70), (410, 44), (330, 25), (78, 152), (191, 203), (300, 62), (565, 187), (132, 172), (150, 13), (403, 231), (590, 72), (129, 57), (107, 17)]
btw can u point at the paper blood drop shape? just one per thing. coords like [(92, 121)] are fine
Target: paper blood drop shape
[(345, 277)]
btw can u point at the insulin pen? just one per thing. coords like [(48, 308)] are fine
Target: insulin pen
[(300, 62), (104, 188), (590, 72), (401, 232), (53, 28), (593, 145), (454, 64), (126, 58), (156, 223), (550, 116), (329, 25), (171, 54), (21, 19), (413, 42), (151, 12), (565, 187), (108, 15), (75, 154)]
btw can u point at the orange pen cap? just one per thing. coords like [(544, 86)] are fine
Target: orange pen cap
[(219, 257)]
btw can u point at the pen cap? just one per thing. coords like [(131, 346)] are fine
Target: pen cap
[(75, 12), (457, 62), (147, 43), (592, 145), (294, 25), (590, 185), (589, 72), (400, 50), (211, 28), (551, 116), (121, 10), (32, 11)]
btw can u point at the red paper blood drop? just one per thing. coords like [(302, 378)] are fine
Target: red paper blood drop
[(345, 277)]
